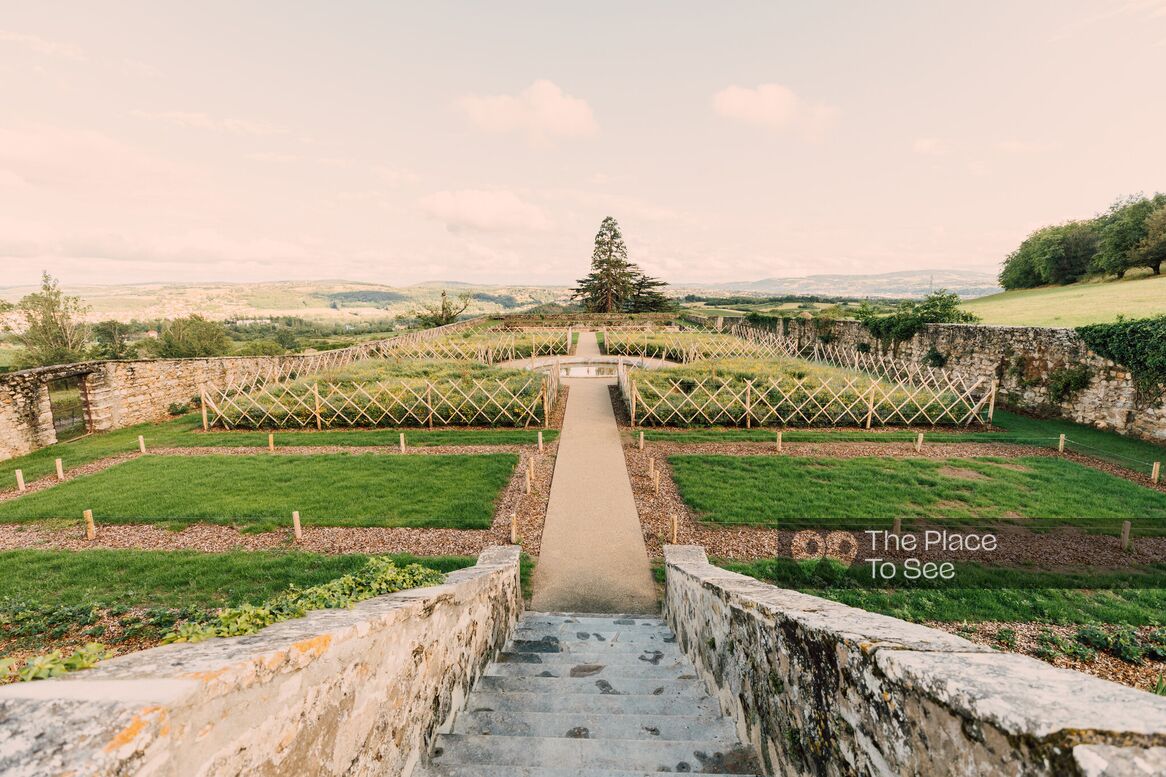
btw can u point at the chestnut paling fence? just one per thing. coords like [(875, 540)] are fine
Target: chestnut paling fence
[(522, 402)]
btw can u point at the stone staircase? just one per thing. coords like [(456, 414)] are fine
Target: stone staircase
[(589, 696)]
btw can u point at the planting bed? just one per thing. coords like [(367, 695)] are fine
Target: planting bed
[(260, 492)]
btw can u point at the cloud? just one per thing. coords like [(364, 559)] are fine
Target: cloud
[(542, 111), (1014, 146), (931, 146), (45, 46), (776, 107), (204, 121), (484, 210)]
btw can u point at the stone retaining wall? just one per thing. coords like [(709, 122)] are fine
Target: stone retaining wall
[(820, 688), (1022, 359), (354, 692)]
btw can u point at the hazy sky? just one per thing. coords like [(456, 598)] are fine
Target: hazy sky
[(401, 142)]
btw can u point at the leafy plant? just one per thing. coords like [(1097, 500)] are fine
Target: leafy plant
[(1138, 345), (1067, 381), (1006, 637), (178, 409), (909, 318), (53, 664), (1093, 637), (933, 358)]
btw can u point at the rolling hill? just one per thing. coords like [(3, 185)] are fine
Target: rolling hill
[(1074, 305)]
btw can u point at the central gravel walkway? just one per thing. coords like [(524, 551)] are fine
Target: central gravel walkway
[(593, 557)]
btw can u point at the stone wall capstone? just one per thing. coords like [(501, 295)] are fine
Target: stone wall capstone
[(361, 691), (820, 688)]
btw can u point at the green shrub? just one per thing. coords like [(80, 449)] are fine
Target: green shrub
[(862, 347), (177, 409), (1092, 636), (909, 318), (1137, 345), (1006, 637), (1124, 644), (934, 358), (1067, 381)]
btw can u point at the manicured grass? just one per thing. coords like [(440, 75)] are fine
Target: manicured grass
[(861, 493), (1127, 451), (49, 594), (186, 432), (1133, 597), (1136, 296), (260, 492)]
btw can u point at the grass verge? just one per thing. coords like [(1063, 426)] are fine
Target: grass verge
[(260, 492)]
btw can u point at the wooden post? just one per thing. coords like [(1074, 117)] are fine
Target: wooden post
[(141, 444), (20, 480), (528, 482), (641, 439), (546, 405), (540, 440), (748, 404), (992, 401), (1125, 535), (651, 466), (90, 527), (870, 404), (60, 469), (779, 442), (514, 528), (530, 468), (202, 404), (1061, 444), (633, 403), (656, 479), (919, 443), (271, 442), (1155, 472), (402, 442), (429, 401), (316, 394), (296, 526), (675, 528), (897, 528), (570, 337)]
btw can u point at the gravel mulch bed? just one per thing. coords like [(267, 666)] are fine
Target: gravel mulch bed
[(530, 511), (1017, 545), (40, 484), (1143, 676)]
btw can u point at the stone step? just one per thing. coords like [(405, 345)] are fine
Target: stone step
[(622, 754), (553, 644), (625, 686), (650, 656), (582, 725), (601, 704), (588, 622), (674, 671), (574, 636), (480, 770)]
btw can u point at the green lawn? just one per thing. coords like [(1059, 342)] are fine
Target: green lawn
[(1130, 452), (260, 492), (1133, 597), (51, 594), (1093, 302), (867, 492), (186, 432)]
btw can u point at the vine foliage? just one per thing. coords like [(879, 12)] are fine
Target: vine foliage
[(1139, 345)]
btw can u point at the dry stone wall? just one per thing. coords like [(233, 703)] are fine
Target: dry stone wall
[(362, 691), (1023, 360), (823, 689)]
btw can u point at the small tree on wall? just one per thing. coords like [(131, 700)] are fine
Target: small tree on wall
[(614, 284), (54, 330)]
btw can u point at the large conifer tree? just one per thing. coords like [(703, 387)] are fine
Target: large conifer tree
[(614, 284)]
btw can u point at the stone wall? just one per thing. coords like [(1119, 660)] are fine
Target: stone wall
[(354, 692), (820, 688), (1022, 359)]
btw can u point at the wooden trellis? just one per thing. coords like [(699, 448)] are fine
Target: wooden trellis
[(467, 402), (653, 399)]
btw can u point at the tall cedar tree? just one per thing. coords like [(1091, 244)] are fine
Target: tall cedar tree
[(614, 284)]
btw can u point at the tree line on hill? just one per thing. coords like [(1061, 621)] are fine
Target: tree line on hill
[(1132, 233)]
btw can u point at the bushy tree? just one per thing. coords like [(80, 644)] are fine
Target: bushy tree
[(909, 317), (1059, 254), (190, 337), (611, 282), (53, 329), (444, 312), (112, 341), (647, 297), (1122, 230), (1151, 252)]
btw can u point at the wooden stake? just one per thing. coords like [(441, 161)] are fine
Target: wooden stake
[(992, 401), (641, 440), (271, 442), (316, 394), (651, 465), (1125, 535), (429, 401), (656, 479), (202, 404), (748, 404), (141, 444), (514, 528), (528, 482), (1061, 444), (919, 443), (402, 442), (530, 468), (675, 528), (296, 525), (633, 403), (540, 441), (898, 527), (20, 480), (1156, 472), (60, 470), (779, 442), (870, 405), (90, 527)]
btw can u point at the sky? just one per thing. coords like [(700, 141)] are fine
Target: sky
[(399, 142)]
